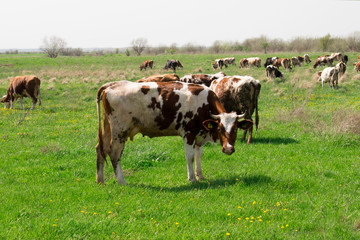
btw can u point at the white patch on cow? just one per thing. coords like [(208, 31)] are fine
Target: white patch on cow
[(228, 119)]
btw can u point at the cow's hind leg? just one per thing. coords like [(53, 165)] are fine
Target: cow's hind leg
[(99, 165), (116, 151), (198, 169), (190, 155)]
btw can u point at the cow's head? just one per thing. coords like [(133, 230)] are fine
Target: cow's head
[(225, 125), (5, 101)]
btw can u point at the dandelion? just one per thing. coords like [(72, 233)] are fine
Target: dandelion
[(229, 214), (239, 219), (139, 210), (239, 207), (287, 225), (117, 203), (54, 225), (177, 223), (282, 226), (260, 220), (247, 218), (94, 213), (151, 218), (285, 209), (227, 234), (56, 219), (110, 212), (254, 202)]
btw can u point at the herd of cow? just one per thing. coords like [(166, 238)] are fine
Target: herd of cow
[(198, 107)]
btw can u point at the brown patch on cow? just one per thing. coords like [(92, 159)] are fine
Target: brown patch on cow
[(106, 105), (145, 89), (154, 104), (189, 115), (235, 80), (195, 89)]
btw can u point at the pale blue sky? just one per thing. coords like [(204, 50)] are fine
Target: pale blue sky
[(115, 23)]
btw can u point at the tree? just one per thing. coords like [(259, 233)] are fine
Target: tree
[(265, 46), (138, 45), (325, 42), (53, 46)]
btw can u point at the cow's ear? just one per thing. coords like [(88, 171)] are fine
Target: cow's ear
[(245, 124), (210, 124)]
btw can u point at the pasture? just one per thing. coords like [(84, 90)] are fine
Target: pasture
[(300, 179)]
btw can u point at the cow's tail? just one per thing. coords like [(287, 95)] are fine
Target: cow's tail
[(257, 92), (100, 135)]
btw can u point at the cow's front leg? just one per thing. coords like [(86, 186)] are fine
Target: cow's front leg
[(21, 103), (116, 151), (190, 154), (198, 169)]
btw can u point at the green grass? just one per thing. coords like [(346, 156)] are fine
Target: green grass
[(300, 179)]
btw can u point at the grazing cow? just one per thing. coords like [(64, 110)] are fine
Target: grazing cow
[(240, 94), (230, 60), (191, 111), (254, 61), (301, 60), (22, 86), (273, 72), (146, 64), (219, 63), (269, 61), (307, 58), (336, 56), (295, 62), (341, 67), (345, 59), (357, 66), (204, 79), (329, 74), (173, 64), (322, 60), (160, 78), (284, 62), (243, 63)]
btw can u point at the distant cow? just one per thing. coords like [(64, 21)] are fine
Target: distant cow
[(357, 66), (22, 86), (322, 60), (329, 74), (160, 78), (284, 62), (218, 64), (307, 58), (191, 111), (336, 56), (243, 63), (341, 67), (204, 79), (295, 61), (254, 61), (146, 64), (345, 59), (230, 60), (240, 94), (173, 64), (273, 72)]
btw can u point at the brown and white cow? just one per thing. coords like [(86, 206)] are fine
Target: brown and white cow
[(243, 63), (323, 60), (218, 64), (307, 58), (204, 79), (284, 62), (341, 67), (357, 66), (160, 78), (331, 75), (254, 61), (230, 60), (146, 64), (295, 62), (273, 72), (22, 86), (337, 56), (239, 94), (157, 109)]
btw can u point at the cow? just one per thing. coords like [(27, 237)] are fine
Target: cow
[(157, 109), (357, 66), (230, 60), (243, 63), (322, 60), (204, 79), (301, 60), (269, 61), (218, 63), (173, 64), (273, 72), (307, 58), (22, 86), (341, 67), (146, 64), (329, 74), (160, 78), (239, 94), (336, 56), (254, 61), (284, 62), (295, 61)]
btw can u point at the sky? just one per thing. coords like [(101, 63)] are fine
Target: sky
[(115, 23)]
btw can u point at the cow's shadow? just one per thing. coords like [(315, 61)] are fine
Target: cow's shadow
[(273, 140), (212, 184)]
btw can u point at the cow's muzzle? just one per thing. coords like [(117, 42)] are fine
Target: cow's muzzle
[(228, 150)]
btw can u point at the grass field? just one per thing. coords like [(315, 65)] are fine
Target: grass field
[(300, 179)]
